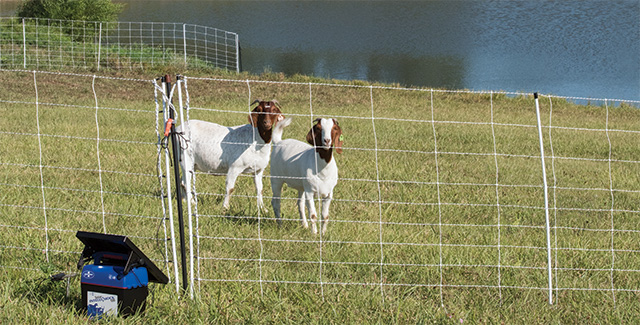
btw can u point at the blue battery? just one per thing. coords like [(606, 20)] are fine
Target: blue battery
[(107, 291), (113, 276)]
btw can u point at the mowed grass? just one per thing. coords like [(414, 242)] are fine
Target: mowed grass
[(438, 216)]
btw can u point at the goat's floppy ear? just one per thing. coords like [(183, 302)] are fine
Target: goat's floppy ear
[(338, 137), (253, 117), (310, 136), (314, 133)]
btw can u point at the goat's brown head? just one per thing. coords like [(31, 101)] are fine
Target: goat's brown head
[(264, 116), (325, 135)]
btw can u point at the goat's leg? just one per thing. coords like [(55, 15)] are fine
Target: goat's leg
[(276, 189), (301, 208), (232, 175), (313, 215), (257, 179), (325, 212)]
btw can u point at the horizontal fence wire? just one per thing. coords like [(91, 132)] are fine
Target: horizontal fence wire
[(46, 44)]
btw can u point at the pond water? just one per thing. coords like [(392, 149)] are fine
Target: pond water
[(582, 48)]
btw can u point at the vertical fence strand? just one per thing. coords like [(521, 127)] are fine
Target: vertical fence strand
[(375, 143), (95, 96), (24, 45), (435, 153), (613, 252), (44, 200), (546, 200), (555, 199), (495, 160), (320, 244)]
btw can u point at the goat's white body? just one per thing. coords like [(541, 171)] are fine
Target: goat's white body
[(298, 165), (217, 148), (302, 169), (235, 150)]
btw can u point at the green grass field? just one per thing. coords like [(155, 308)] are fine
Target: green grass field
[(438, 216)]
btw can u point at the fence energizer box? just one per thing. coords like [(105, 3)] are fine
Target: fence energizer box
[(117, 281)]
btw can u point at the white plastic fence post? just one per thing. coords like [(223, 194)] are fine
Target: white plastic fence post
[(24, 45), (99, 44), (0, 49), (167, 161), (184, 42), (237, 54), (49, 42), (546, 200)]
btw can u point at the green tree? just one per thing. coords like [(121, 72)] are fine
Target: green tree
[(88, 10)]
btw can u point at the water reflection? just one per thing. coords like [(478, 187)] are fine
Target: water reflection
[(443, 71), (446, 71)]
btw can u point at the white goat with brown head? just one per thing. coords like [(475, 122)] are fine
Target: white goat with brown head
[(235, 150), (312, 170)]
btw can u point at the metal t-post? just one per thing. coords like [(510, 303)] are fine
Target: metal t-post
[(175, 145)]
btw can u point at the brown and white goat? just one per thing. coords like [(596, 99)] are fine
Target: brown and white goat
[(312, 170), (235, 150)]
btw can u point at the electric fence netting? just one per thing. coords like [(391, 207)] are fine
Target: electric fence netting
[(440, 192), (76, 155), (440, 198)]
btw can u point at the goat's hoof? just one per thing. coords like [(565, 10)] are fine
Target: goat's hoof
[(324, 229)]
